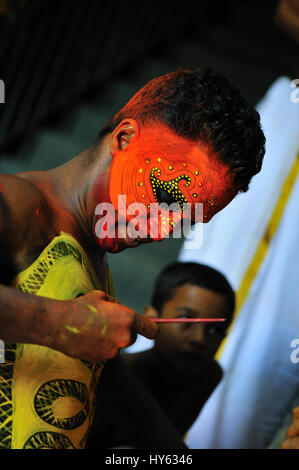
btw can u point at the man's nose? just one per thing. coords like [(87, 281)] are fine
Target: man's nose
[(162, 224), (197, 336)]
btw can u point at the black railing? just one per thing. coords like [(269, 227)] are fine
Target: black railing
[(52, 52)]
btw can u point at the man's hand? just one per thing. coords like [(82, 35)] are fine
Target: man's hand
[(292, 440), (94, 328)]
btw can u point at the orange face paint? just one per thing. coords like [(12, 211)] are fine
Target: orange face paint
[(159, 166)]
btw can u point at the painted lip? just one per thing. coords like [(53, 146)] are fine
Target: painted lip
[(129, 242)]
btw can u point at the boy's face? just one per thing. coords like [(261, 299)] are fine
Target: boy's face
[(192, 346)]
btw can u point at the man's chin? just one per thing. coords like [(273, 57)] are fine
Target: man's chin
[(116, 245), (112, 245)]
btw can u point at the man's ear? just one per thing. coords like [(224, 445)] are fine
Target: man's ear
[(150, 312), (121, 137)]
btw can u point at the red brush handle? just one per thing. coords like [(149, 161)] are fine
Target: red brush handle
[(188, 320)]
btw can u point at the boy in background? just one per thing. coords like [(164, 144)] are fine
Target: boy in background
[(164, 388)]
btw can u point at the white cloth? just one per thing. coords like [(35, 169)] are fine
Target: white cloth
[(260, 379)]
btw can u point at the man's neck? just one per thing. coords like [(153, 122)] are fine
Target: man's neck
[(69, 191)]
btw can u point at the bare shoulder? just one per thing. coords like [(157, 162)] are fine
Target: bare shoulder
[(14, 184), (19, 199)]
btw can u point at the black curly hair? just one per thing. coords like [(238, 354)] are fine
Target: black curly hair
[(200, 104)]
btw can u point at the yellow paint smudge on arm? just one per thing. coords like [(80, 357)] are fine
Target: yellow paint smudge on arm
[(104, 329), (72, 329), (92, 308), (89, 323), (63, 337)]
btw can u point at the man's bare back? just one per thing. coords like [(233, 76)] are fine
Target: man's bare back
[(29, 224)]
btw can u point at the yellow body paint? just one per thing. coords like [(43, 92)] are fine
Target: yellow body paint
[(42, 387), (104, 329), (72, 329), (92, 308)]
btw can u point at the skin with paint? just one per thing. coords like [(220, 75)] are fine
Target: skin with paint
[(36, 206), (292, 436), (151, 164)]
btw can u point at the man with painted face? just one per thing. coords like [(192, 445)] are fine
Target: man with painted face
[(186, 137)]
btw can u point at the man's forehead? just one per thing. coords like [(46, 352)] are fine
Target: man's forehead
[(161, 166), (166, 143)]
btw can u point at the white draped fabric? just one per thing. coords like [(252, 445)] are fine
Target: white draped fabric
[(260, 379)]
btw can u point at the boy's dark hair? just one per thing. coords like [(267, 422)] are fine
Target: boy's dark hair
[(178, 274), (200, 104)]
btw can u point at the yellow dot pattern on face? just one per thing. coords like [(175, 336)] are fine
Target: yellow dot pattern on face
[(194, 195), (196, 172), (170, 167), (213, 201), (184, 164), (200, 184), (140, 170), (158, 159), (170, 187), (147, 160), (140, 184), (143, 196)]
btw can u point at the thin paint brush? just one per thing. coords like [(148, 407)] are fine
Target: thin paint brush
[(187, 320)]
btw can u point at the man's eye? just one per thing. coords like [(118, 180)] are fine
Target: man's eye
[(187, 325), (216, 330)]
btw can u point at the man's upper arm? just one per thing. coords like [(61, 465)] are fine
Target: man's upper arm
[(18, 198)]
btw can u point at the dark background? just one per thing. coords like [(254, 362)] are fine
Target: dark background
[(69, 66)]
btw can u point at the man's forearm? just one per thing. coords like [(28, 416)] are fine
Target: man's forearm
[(89, 327), (23, 317)]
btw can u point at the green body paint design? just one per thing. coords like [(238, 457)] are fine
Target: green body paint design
[(89, 323), (92, 308), (104, 329), (72, 329)]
